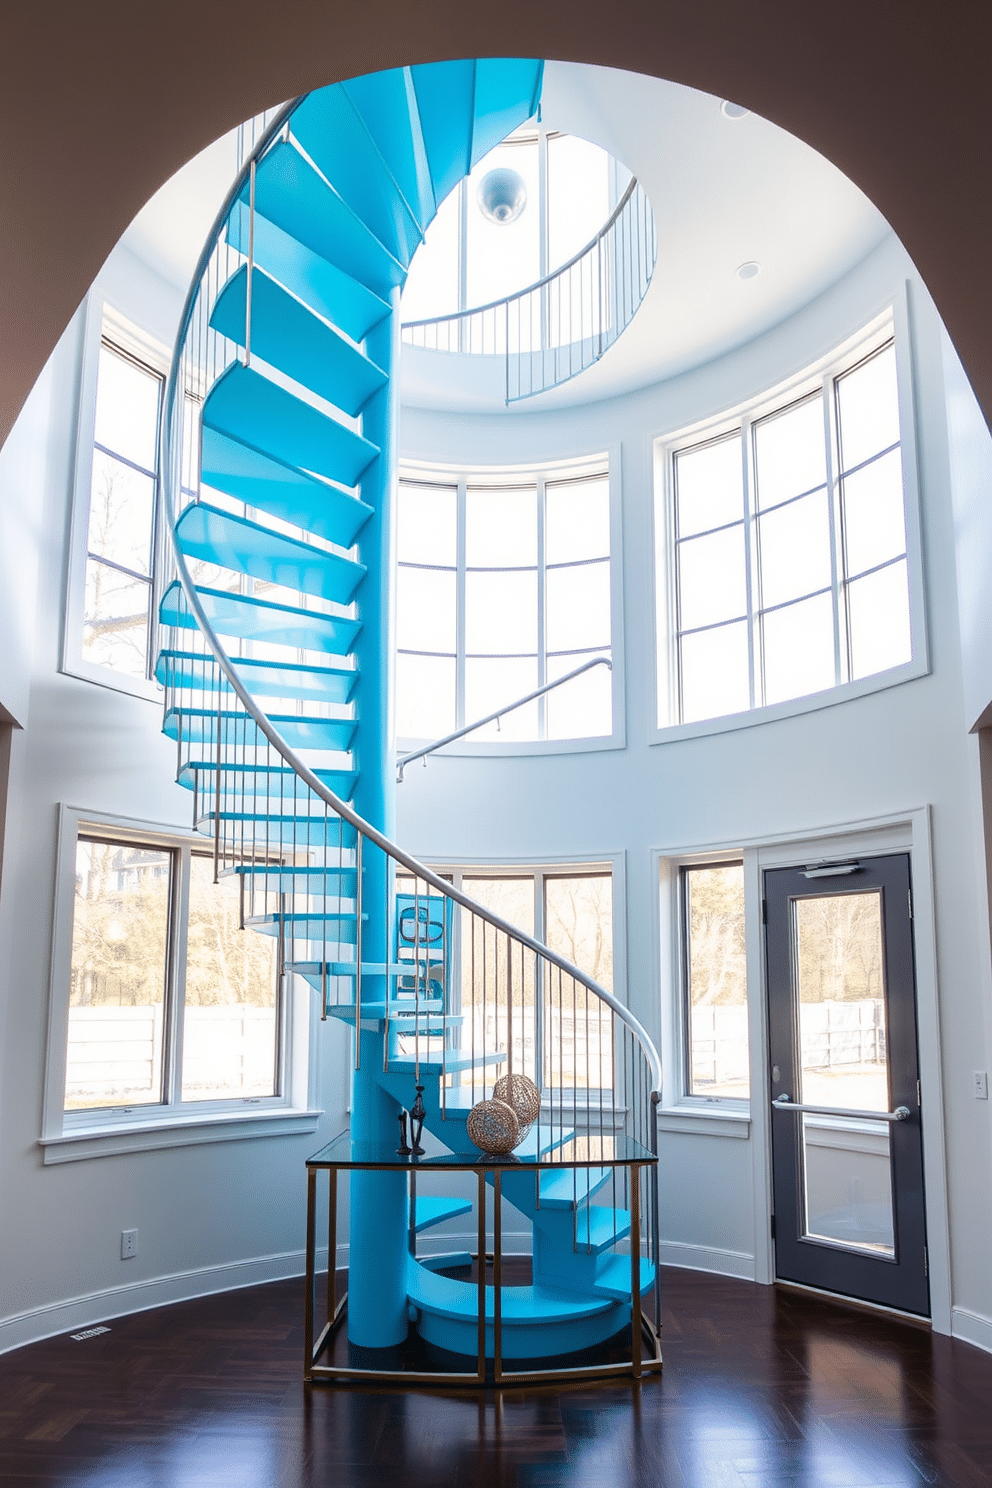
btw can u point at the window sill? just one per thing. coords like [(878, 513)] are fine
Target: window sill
[(698, 1121), (138, 687), (500, 748), (150, 1136), (811, 703)]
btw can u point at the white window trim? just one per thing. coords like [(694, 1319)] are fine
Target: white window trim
[(680, 1110), (893, 322), (614, 863), (102, 320), (68, 1136), (549, 470), (905, 831)]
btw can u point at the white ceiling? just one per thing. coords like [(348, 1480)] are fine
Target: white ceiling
[(724, 192)]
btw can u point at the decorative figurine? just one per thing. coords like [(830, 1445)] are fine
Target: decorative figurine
[(404, 1149), (417, 1116), (493, 1127), (520, 1092)]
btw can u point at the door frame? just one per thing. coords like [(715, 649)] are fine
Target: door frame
[(909, 832)]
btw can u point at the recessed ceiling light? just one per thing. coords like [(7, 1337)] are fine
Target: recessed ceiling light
[(733, 110), (749, 270)]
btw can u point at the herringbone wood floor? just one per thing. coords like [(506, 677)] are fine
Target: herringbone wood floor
[(762, 1387)]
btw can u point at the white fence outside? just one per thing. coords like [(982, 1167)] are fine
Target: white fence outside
[(834, 1035), (115, 1054)]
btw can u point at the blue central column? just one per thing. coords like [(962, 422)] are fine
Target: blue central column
[(379, 1214)]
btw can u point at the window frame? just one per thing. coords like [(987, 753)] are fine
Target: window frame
[(543, 474), (687, 1097), (104, 324), (100, 1131), (891, 324), (461, 871)]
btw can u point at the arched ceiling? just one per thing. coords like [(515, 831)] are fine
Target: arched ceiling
[(725, 191), (101, 103)]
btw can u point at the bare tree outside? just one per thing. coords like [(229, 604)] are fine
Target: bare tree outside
[(716, 974)]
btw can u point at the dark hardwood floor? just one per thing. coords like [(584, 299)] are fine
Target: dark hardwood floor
[(762, 1387)]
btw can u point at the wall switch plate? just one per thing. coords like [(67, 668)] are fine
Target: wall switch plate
[(129, 1244), (981, 1091)]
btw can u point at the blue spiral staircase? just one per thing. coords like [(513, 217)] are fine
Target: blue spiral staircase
[(279, 461)]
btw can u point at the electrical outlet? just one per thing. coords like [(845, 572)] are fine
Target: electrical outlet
[(981, 1085), (129, 1244)]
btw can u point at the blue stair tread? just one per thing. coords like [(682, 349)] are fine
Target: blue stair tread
[(248, 778), (335, 928), (250, 408), (329, 290), (290, 193), (539, 1303), (507, 90), (563, 1189), (597, 1227), (613, 1277), (388, 104), (433, 1209), (251, 619), (288, 335), (265, 678), (215, 536), (302, 880), (200, 725), (271, 486), (332, 130), (370, 1010), (315, 971), (444, 92), (451, 1066)]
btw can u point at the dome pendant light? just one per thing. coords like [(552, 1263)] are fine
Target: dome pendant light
[(502, 196)]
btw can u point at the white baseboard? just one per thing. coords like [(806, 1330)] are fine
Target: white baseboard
[(972, 1327), (96, 1307), (76, 1313), (708, 1258)]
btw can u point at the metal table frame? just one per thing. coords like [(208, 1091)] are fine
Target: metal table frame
[(645, 1334)]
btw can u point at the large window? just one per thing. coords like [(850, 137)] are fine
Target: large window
[(566, 189), (504, 585), (714, 982), (121, 527), (787, 536), (563, 1038), (169, 1002)]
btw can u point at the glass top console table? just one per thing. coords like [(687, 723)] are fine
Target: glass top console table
[(622, 1270)]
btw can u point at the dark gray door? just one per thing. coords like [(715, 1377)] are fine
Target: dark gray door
[(848, 1165)]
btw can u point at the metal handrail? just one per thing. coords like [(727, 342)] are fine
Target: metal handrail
[(563, 323), (901, 1113), (415, 754), (518, 294), (171, 454)]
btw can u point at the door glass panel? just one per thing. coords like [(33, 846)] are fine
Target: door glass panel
[(843, 1064)]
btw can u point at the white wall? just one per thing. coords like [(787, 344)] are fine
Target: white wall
[(225, 1213), (209, 1216), (887, 753)]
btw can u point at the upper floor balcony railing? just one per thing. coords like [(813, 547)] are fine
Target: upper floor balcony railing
[(556, 328)]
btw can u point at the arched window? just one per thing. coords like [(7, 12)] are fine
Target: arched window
[(504, 584), (784, 546)]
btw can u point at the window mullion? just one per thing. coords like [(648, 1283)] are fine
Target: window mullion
[(176, 977), (750, 562), (460, 548), (542, 646), (842, 646)]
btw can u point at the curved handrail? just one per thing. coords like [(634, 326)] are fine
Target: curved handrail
[(470, 728), (171, 453), (518, 294)]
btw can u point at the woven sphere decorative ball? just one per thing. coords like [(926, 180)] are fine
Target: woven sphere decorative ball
[(493, 1127), (520, 1092)]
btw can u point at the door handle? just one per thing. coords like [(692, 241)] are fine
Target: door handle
[(901, 1113)]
